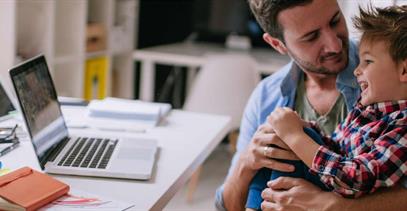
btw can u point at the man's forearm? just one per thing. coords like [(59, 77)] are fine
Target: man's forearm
[(387, 199), (236, 188)]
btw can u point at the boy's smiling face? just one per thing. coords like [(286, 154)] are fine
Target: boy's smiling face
[(377, 73)]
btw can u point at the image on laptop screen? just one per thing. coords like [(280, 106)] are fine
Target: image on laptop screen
[(5, 104), (38, 100)]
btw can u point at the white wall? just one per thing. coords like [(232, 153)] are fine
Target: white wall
[(350, 8), (7, 33), (7, 40)]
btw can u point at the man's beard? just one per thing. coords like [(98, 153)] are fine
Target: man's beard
[(307, 66)]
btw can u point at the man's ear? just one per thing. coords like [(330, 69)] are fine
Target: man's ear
[(403, 72), (275, 43)]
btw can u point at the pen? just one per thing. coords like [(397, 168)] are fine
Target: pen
[(9, 148)]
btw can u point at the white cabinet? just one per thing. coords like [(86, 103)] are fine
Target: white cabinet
[(57, 28)]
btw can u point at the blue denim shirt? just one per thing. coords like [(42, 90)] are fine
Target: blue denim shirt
[(278, 90)]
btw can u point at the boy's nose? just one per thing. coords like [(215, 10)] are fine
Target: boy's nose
[(357, 71)]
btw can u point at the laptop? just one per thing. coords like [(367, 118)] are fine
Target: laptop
[(61, 153), (6, 106)]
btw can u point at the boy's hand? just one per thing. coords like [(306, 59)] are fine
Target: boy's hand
[(285, 122)]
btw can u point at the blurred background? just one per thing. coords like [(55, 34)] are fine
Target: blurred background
[(145, 49)]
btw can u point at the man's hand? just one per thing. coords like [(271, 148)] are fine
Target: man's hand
[(259, 154), (286, 193)]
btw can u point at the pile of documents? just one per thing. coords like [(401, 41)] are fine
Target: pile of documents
[(128, 109)]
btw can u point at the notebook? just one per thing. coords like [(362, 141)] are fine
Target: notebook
[(124, 109), (59, 152), (27, 189)]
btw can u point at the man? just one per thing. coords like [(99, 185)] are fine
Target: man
[(318, 84)]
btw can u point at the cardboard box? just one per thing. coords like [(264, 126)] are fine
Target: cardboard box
[(95, 37)]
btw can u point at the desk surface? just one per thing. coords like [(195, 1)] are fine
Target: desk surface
[(194, 54), (185, 140)]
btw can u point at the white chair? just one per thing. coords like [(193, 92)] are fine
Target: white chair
[(222, 86)]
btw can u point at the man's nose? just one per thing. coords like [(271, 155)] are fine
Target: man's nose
[(333, 44)]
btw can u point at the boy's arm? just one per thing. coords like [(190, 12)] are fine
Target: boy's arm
[(364, 173), (328, 141), (381, 166), (296, 141), (289, 127)]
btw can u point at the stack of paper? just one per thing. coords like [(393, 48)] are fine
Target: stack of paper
[(128, 109), (83, 201)]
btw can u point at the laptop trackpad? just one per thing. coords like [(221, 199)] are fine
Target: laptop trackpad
[(135, 153)]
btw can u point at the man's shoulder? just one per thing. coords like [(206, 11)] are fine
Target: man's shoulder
[(269, 93), (273, 82)]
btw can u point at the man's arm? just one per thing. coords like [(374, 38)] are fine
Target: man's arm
[(298, 194), (250, 160), (236, 187), (250, 157)]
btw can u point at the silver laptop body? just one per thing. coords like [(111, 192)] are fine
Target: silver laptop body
[(60, 153)]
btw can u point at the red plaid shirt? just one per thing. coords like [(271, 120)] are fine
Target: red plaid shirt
[(366, 151)]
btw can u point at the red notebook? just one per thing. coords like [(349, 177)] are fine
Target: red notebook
[(30, 189)]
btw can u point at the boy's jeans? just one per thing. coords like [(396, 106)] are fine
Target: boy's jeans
[(301, 171)]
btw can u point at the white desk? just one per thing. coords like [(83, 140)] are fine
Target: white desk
[(185, 140), (193, 55)]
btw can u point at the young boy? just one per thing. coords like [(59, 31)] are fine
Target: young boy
[(369, 149)]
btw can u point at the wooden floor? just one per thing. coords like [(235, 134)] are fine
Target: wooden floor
[(212, 175)]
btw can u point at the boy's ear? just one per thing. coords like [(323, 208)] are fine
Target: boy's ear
[(403, 73), (275, 43)]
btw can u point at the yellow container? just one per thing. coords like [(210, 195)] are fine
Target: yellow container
[(95, 78)]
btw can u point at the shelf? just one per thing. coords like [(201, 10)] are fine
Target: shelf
[(121, 78), (96, 54), (70, 35), (34, 28), (68, 80), (60, 60), (58, 29)]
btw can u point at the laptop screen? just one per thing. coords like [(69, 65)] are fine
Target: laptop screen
[(39, 105), (5, 103)]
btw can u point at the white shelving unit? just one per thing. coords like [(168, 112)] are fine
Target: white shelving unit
[(57, 28)]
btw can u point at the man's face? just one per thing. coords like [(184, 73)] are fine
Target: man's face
[(377, 73), (316, 36)]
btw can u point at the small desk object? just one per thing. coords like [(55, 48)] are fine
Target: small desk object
[(185, 140), (193, 55)]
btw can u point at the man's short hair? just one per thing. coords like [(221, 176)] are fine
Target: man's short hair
[(266, 13), (385, 24)]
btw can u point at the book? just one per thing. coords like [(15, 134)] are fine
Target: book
[(128, 109), (27, 189), (6, 205)]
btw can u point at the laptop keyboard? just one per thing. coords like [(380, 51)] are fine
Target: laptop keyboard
[(89, 153)]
